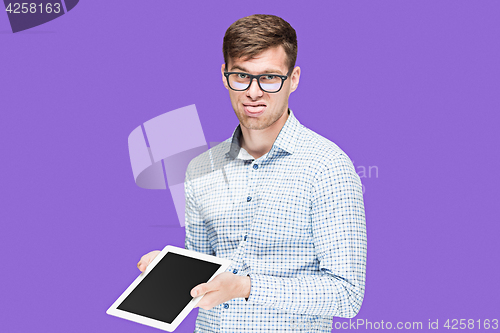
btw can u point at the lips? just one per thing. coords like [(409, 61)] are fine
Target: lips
[(254, 109)]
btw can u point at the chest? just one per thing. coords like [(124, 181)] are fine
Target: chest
[(271, 201)]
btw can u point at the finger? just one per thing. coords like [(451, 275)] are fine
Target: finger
[(207, 302), (151, 256), (142, 266), (203, 305), (146, 260), (204, 288), (200, 289), (141, 262)]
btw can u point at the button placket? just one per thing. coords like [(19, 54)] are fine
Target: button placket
[(253, 199), (250, 197)]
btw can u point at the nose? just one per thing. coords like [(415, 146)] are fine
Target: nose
[(254, 91)]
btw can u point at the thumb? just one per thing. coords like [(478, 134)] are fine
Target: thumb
[(146, 260), (199, 290), (142, 265)]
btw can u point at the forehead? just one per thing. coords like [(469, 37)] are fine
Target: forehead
[(271, 60)]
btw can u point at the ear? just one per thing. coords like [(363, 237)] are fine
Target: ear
[(222, 68), (295, 78)]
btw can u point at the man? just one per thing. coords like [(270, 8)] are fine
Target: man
[(282, 202)]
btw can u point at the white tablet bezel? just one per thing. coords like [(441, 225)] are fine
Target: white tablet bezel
[(114, 311)]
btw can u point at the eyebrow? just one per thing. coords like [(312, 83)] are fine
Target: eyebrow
[(267, 71)]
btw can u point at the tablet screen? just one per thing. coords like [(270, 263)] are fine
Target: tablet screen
[(165, 291)]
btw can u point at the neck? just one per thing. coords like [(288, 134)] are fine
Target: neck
[(259, 142)]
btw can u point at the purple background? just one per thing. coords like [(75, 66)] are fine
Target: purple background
[(412, 87)]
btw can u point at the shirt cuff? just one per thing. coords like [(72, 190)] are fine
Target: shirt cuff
[(246, 299), (262, 289)]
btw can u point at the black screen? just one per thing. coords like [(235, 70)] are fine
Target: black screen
[(165, 291)]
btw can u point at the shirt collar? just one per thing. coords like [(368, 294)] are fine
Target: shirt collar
[(286, 140)]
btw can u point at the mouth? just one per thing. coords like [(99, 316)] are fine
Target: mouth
[(254, 109)]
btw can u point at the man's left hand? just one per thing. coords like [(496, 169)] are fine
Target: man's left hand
[(222, 288)]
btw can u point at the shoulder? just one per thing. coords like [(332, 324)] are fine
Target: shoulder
[(320, 152)]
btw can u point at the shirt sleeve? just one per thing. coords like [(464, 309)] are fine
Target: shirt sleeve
[(339, 234), (196, 233)]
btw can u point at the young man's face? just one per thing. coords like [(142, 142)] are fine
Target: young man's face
[(256, 109)]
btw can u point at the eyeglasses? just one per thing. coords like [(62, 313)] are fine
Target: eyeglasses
[(270, 83)]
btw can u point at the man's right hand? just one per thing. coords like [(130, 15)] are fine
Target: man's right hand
[(146, 260)]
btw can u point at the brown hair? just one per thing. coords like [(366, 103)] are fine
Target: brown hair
[(254, 34)]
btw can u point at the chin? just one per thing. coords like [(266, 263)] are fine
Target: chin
[(255, 124)]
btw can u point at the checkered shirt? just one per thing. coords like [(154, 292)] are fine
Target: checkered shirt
[(293, 220)]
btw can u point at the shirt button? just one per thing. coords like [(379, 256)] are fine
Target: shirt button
[(245, 238), (255, 166), (235, 271), (226, 306), (249, 198)]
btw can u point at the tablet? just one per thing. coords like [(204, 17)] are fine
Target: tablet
[(160, 297)]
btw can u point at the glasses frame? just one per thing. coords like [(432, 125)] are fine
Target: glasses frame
[(257, 77)]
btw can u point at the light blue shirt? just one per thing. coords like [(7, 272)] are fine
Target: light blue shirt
[(293, 220)]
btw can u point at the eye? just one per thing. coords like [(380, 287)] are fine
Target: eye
[(270, 77), (242, 76)]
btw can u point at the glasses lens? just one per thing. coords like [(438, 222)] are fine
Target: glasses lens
[(241, 81), (270, 83)]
